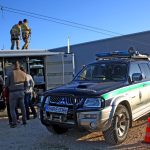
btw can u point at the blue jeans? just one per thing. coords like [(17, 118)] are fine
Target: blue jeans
[(28, 103)]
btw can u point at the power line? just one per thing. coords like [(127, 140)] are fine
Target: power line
[(67, 23), (2, 12), (46, 19), (60, 21)]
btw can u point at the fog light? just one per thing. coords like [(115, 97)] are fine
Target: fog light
[(93, 125), (90, 116)]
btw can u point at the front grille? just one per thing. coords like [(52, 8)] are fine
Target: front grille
[(63, 100)]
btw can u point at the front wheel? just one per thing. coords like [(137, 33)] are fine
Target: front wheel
[(57, 129), (118, 131)]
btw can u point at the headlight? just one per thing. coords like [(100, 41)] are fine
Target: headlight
[(92, 102), (41, 98), (47, 100)]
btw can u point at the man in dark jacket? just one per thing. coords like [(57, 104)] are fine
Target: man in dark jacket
[(16, 82)]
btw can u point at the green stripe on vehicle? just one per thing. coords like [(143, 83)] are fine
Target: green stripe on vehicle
[(124, 90)]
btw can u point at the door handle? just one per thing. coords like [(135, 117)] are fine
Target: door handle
[(133, 97)]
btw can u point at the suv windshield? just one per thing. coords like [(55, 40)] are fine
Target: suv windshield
[(106, 71)]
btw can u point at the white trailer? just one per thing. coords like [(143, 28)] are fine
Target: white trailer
[(48, 69)]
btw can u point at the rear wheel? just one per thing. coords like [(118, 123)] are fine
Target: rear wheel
[(118, 131), (57, 129)]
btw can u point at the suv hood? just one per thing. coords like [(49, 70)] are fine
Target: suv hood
[(80, 88)]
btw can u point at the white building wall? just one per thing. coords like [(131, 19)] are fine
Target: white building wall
[(85, 52)]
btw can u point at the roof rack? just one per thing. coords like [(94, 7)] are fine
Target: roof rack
[(132, 54)]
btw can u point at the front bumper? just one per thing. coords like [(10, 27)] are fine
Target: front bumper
[(95, 120), (91, 120)]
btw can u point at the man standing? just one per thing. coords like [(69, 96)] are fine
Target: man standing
[(26, 32), (16, 82), (28, 96), (15, 35)]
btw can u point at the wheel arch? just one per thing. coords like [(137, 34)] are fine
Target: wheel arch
[(111, 135), (124, 103), (127, 105)]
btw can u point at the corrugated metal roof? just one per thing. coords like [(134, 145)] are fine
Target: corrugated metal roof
[(20, 53)]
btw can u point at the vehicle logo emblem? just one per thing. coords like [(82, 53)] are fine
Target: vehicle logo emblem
[(62, 101)]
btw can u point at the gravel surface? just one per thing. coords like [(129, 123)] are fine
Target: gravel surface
[(34, 136)]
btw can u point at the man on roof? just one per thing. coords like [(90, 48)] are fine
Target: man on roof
[(15, 35), (26, 32)]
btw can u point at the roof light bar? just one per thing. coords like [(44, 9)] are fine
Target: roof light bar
[(122, 54), (114, 53)]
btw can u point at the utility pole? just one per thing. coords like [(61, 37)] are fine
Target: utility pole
[(68, 48)]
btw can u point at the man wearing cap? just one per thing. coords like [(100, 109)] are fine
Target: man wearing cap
[(15, 35), (26, 32), (16, 83)]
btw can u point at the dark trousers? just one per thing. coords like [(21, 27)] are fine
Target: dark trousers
[(13, 44), (17, 98), (8, 113), (29, 104), (26, 43)]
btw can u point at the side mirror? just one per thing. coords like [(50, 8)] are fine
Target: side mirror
[(5, 77), (137, 77)]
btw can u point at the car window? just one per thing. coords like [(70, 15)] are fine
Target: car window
[(104, 71), (145, 70), (134, 68), (118, 71)]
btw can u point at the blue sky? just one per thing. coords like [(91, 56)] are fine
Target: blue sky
[(121, 16)]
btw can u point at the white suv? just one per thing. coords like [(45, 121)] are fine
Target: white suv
[(106, 96)]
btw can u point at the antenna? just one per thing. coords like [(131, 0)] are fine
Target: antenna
[(68, 48), (3, 47)]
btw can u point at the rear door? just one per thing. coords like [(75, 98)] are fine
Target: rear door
[(146, 82)]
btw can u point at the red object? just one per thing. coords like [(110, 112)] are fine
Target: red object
[(147, 136), (5, 94)]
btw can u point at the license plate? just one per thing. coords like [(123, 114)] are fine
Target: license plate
[(56, 109)]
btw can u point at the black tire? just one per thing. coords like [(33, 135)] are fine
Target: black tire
[(118, 131), (56, 129)]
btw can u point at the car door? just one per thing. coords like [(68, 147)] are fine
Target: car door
[(145, 91), (137, 87)]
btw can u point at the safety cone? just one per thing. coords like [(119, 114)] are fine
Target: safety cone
[(147, 136)]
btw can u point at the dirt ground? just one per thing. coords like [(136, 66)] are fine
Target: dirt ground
[(34, 136)]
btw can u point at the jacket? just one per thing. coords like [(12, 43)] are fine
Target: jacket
[(15, 30), (25, 28)]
